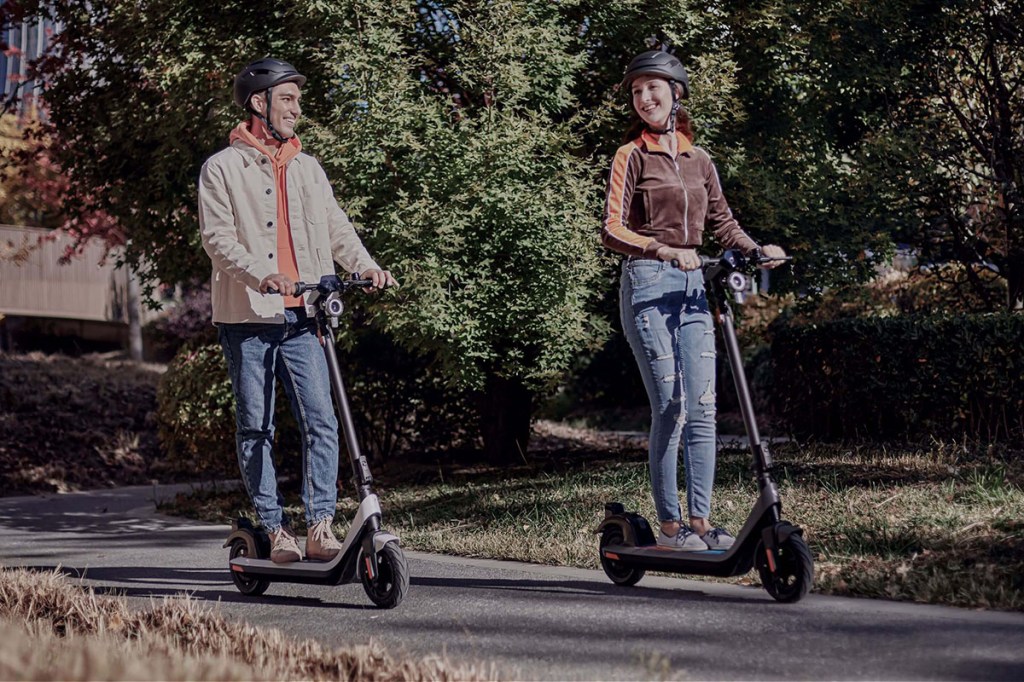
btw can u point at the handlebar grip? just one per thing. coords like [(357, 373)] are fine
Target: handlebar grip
[(704, 262), (300, 288)]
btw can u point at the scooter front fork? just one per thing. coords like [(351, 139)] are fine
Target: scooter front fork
[(775, 535), (369, 557)]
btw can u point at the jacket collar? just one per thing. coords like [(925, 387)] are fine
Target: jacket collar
[(651, 141)]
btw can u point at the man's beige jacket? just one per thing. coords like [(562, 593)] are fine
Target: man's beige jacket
[(238, 224)]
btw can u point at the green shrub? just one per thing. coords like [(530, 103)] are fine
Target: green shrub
[(196, 417), (196, 413), (902, 377), (401, 403)]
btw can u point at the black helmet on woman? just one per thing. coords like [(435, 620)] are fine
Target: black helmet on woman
[(261, 76), (663, 65), (657, 63)]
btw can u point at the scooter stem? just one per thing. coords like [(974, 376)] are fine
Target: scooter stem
[(732, 346), (359, 466)]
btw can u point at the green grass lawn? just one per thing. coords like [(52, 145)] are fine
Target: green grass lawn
[(942, 524)]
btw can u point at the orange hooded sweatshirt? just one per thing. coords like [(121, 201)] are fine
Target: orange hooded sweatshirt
[(279, 157)]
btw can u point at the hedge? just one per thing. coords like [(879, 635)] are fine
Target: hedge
[(902, 377)]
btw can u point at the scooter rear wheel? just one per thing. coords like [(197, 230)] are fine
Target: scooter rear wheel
[(794, 571), (619, 573), (388, 588), (252, 587)]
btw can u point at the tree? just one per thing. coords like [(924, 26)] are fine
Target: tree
[(965, 118), (909, 117), (475, 193)]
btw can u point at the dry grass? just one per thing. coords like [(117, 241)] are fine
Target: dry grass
[(53, 629), (938, 524)]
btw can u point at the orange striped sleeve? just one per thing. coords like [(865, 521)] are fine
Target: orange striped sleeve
[(615, 233)]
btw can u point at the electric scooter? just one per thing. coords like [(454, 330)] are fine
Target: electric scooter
[(774, 546), (367, 550)]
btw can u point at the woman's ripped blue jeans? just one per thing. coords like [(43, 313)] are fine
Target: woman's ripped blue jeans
[(667, 322), (257, 354)]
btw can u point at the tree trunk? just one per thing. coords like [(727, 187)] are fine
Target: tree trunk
[(505, 412), (1015, 282), (134, 317)]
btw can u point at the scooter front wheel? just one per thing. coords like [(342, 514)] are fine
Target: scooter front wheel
[(794, 570), (252, 587), (619, 573), (388, 587)]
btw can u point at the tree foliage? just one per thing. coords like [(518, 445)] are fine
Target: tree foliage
[(463, 165), (470, 138)]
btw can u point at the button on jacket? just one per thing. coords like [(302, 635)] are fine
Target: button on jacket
[(654, 200), (238, 224)]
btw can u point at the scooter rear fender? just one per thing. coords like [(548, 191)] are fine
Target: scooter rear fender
[(258, 541), (635, 528)]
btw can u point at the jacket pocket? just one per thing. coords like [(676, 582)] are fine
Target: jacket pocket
[(313, 209)]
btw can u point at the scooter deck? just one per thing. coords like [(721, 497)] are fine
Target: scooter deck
[(308, 567), (716, 562), (659, 552)]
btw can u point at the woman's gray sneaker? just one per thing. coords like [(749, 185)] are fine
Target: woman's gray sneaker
[(718, 538), (685, 539)]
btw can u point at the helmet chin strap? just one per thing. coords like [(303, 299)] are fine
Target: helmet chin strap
[(266, 119), (676, 103)]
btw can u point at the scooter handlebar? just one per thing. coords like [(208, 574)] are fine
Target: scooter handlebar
[(755, 259), (303, 287)]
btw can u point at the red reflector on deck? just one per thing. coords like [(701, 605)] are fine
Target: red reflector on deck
[(611, 555)]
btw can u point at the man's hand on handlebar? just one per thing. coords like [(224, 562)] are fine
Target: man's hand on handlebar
[(277, 284), (777, 253), (684, 259), (381, 278)]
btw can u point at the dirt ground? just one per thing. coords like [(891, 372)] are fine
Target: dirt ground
[(70, 423)]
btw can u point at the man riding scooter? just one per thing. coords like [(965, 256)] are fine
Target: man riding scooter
[(268, 218)]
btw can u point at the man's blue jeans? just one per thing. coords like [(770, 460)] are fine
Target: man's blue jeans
[(667, 322), (257, 354)]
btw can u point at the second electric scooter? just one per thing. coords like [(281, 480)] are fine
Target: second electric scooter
[(774, 546), (367, 551)]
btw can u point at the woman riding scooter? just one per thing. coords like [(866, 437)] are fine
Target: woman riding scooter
[(663, 192)]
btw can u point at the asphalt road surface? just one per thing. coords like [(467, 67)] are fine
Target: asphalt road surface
[(533, 622)]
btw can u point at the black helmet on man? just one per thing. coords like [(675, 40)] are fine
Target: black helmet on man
[(657, 63), (261, 75)]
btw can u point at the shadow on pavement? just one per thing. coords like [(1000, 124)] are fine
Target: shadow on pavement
[(583, 588), (143, 582)]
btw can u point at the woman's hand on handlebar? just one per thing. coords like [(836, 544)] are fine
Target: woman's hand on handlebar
[(277, 284), (381, 278), (772, 251), (684, 259)]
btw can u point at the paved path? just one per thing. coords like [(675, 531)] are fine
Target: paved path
[(535, 622)]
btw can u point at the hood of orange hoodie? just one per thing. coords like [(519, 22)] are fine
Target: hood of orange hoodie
[(280, 156)]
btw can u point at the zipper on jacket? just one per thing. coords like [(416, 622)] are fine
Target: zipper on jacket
[(686, 203)]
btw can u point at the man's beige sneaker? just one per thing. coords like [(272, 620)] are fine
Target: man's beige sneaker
[(285, 549), (320, 542)]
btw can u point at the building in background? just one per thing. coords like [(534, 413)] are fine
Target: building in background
[(85, 303), (25, 42)]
